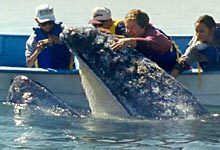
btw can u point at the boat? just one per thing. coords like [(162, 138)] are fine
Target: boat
[(66, 84)]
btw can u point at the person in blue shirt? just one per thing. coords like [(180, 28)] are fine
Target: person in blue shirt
[(44, 48), (203, 48)]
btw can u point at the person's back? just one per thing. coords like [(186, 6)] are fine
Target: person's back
[(102, 20), (43, 48)]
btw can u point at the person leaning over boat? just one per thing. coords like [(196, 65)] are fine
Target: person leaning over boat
[(203, 48), (102, 20), (150, 41), (43, 47)]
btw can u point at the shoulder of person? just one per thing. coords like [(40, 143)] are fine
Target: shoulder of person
[(120, 23), (197, 44), (201, 46), (32, 37), (61, 24), (64, 26), (31, 44), (217, 32)]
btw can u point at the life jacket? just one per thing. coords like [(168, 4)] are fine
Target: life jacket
[(113, 28), (211, 52), (213, 55), (56, 56), (167, 60)]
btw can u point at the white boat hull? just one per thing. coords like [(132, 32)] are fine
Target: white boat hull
[(206, 90), (67, 85)]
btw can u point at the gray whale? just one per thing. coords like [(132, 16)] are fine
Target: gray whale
[(23, 90), (125, 83)]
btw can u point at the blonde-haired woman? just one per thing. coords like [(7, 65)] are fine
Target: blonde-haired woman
[(204, 47)]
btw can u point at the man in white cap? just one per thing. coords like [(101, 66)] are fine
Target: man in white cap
[(102, 20), (43, 48)]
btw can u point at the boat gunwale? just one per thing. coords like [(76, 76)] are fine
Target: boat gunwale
[(37, 70)]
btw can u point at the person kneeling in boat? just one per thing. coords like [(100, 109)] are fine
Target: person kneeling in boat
[(44, 48), (203, 48), (150, 41), (102, 20)]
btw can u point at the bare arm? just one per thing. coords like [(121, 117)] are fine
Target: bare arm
[(31, 60), (40, 46)]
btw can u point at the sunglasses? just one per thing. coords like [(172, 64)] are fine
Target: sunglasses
[(99, 25), (47, 23)]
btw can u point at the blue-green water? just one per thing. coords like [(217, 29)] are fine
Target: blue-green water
[(29, 129)]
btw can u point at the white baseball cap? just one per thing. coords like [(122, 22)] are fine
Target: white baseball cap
[(44, 13), (100, 13)]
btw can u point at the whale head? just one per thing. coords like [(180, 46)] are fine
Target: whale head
[(134, 83)]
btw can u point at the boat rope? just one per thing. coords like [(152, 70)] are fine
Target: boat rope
[(199, 77)]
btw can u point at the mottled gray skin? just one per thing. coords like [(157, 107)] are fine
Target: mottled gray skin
[(143, 89), (26, 91)]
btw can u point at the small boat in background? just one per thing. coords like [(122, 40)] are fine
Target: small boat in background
[(66, 84)]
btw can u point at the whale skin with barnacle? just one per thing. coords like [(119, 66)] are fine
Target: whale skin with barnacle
[(137, 84)]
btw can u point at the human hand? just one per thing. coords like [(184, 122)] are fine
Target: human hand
[(42, 43), (121, 43), (107, 31), (54, 39)]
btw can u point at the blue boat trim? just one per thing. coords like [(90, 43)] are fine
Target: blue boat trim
[(12, 58), (36, 70), (195, 71)]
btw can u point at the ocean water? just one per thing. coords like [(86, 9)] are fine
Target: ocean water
[(29, 129)]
